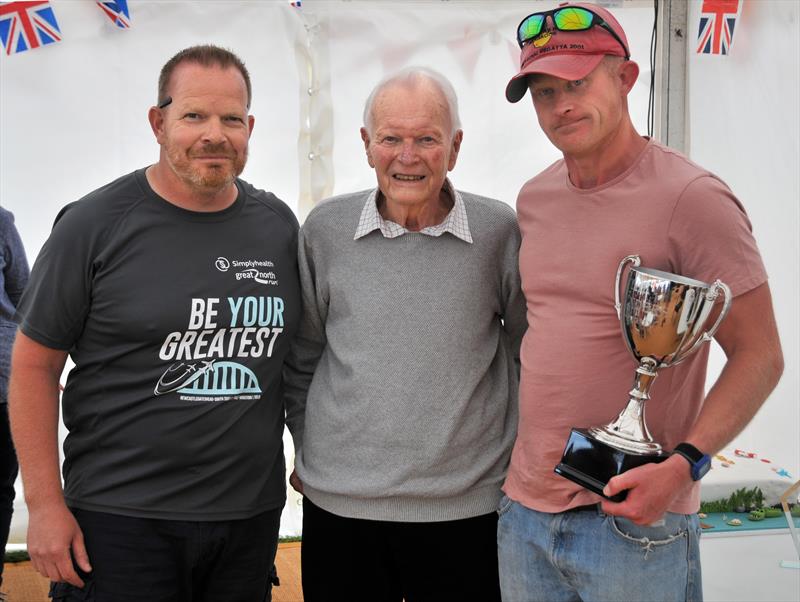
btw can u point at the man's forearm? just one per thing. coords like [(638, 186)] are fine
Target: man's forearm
[(741, 389), (33, 409), (749, 337)]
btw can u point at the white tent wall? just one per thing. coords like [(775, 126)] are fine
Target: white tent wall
[(744, 125), (73, 117)]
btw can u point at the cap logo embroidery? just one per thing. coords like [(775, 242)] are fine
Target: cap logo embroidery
[(542, 39)]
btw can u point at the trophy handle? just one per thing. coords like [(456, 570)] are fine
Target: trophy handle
[(711, 295), (636, 261)]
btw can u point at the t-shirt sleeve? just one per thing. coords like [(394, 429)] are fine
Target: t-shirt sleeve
[(711, 237), (55, 304)]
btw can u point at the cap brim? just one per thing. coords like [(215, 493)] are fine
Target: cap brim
[(563, 66)]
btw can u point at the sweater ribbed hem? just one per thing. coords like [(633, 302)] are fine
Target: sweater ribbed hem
[(475, 502)]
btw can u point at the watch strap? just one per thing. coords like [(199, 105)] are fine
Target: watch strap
[(699, 462)]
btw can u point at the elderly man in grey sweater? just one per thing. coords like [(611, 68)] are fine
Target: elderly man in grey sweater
[(401, 390)]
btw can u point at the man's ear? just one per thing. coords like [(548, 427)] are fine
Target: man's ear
[(628, 73), (156, 118), (456, 146), (366, 140)]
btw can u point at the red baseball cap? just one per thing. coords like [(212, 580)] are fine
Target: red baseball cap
[(568, 55)]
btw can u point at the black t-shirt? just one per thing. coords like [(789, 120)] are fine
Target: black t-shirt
[(178, 323)]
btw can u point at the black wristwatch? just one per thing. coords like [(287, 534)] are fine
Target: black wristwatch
[(699, 462)]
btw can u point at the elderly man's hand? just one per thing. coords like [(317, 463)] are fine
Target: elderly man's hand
[(295, 482), (651, 489)]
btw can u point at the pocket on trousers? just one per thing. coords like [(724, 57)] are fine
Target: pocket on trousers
[(504, 505), (674, 529), (66, 592)]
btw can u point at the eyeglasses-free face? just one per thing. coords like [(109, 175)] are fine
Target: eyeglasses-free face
[(570, 18)]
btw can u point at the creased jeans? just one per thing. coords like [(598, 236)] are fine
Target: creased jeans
[(590, 556)]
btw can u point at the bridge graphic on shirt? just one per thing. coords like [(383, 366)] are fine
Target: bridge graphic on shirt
[(208, 378), (225, 378)]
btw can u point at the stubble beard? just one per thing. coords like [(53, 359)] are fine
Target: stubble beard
[(208, 179)]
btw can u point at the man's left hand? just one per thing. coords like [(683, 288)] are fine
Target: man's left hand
[(651, 490), (295, 482)]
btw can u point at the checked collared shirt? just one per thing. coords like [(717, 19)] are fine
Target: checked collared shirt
[(455, 223)]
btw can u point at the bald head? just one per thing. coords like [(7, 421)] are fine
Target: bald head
[(413, 77)]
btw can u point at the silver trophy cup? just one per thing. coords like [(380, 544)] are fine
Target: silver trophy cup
[(663, 319)]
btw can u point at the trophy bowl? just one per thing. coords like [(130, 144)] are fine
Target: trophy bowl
[(663, 319)]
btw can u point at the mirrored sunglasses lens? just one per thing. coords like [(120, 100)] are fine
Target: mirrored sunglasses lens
[(530, 28), (573, 19)]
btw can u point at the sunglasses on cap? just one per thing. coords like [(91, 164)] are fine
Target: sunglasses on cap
[(570, 18)]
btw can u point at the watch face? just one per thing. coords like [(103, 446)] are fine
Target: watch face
[(701, 467)]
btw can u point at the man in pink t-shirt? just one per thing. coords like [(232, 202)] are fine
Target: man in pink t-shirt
[(616, 193)]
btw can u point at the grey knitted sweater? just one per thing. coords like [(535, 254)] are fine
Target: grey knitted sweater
[(401, 387)]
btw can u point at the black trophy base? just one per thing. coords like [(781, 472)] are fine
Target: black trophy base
[(591, 463)]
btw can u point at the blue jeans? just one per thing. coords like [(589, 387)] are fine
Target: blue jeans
[(587, 555)]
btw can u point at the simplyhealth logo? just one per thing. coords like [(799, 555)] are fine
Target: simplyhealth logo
[(257, 270)]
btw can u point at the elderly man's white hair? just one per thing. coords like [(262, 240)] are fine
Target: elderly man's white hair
[(411, 75)]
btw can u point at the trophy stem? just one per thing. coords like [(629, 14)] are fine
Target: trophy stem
[(629, 431)]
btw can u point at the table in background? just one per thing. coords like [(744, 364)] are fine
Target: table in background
[(744, 563)]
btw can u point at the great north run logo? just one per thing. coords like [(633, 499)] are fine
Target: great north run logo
[(254, 269)]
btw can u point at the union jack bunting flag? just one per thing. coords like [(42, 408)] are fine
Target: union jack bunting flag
[(717, 22), (118, 12), (26, 25)]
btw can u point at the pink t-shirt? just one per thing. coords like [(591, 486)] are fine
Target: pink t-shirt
[(576, 368)]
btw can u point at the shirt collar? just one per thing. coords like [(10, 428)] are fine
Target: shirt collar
[(455, 223)]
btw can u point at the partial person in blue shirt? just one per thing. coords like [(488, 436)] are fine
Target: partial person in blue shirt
[(13, 277)]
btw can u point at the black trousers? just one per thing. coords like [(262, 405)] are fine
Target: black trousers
[(138, 559), (355, 560), (8, 474)]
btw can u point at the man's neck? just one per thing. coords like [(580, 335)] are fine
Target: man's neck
[(604, 164), (416, 217), (168, 186)]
